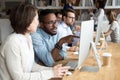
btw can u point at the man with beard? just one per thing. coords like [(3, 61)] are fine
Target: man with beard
[(46, 41), (68, 27)]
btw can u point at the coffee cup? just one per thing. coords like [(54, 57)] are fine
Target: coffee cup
[(106, 59)]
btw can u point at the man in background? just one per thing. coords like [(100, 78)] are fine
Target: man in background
[(67, 27), (59, 16)]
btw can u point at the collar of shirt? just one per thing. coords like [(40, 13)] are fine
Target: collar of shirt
[(39, 30), (63, 24)]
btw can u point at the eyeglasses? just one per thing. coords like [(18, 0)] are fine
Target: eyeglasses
[(71, 17), (51, 22)]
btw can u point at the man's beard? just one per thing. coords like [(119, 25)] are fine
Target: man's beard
[(48, 32)]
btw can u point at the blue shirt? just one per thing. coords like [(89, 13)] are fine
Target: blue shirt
[(43, 44)]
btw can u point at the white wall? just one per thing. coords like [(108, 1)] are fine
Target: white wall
[(5, 29)]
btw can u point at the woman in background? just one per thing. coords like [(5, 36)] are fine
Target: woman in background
[(114, 30), (17, 55)]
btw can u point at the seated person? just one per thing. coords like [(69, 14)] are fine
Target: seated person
[(46, 41), (114, 30), (99, 4), (69, 4), (17, 55), (59, 16), (85, 15), (64, 28)]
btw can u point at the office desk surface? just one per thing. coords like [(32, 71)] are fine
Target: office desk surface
[(105, 73)]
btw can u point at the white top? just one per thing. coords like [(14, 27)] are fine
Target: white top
[(64, 30), (17, 60), (115, 35), (118, 18)]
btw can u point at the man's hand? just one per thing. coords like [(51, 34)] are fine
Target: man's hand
[(68, 39)]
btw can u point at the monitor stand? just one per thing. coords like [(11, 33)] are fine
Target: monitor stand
[(98, 59), (102, 43), (89, 69)]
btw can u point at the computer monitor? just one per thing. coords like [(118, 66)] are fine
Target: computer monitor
[(86, 44), (99, 30), (86, 37)]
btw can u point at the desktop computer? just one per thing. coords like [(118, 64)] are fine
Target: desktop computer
[(100, 33), (86, 44)]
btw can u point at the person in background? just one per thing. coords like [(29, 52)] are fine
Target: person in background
[(17, 55), (63, 2), (85, 15), (100, 13), (46, 41), (59, 16), (64, 29), (69, 18), (69, 4), (91, 13), (48, 2), (114, 30)]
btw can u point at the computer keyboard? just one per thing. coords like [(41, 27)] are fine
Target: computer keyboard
[(90, 69), (72, 64)]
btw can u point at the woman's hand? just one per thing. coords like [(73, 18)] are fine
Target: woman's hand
[(60, 71)]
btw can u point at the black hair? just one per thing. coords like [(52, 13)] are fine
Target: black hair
[(43, 13), (58, 12), (65, 12)]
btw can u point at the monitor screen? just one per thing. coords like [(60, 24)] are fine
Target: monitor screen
[(86, 37)]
